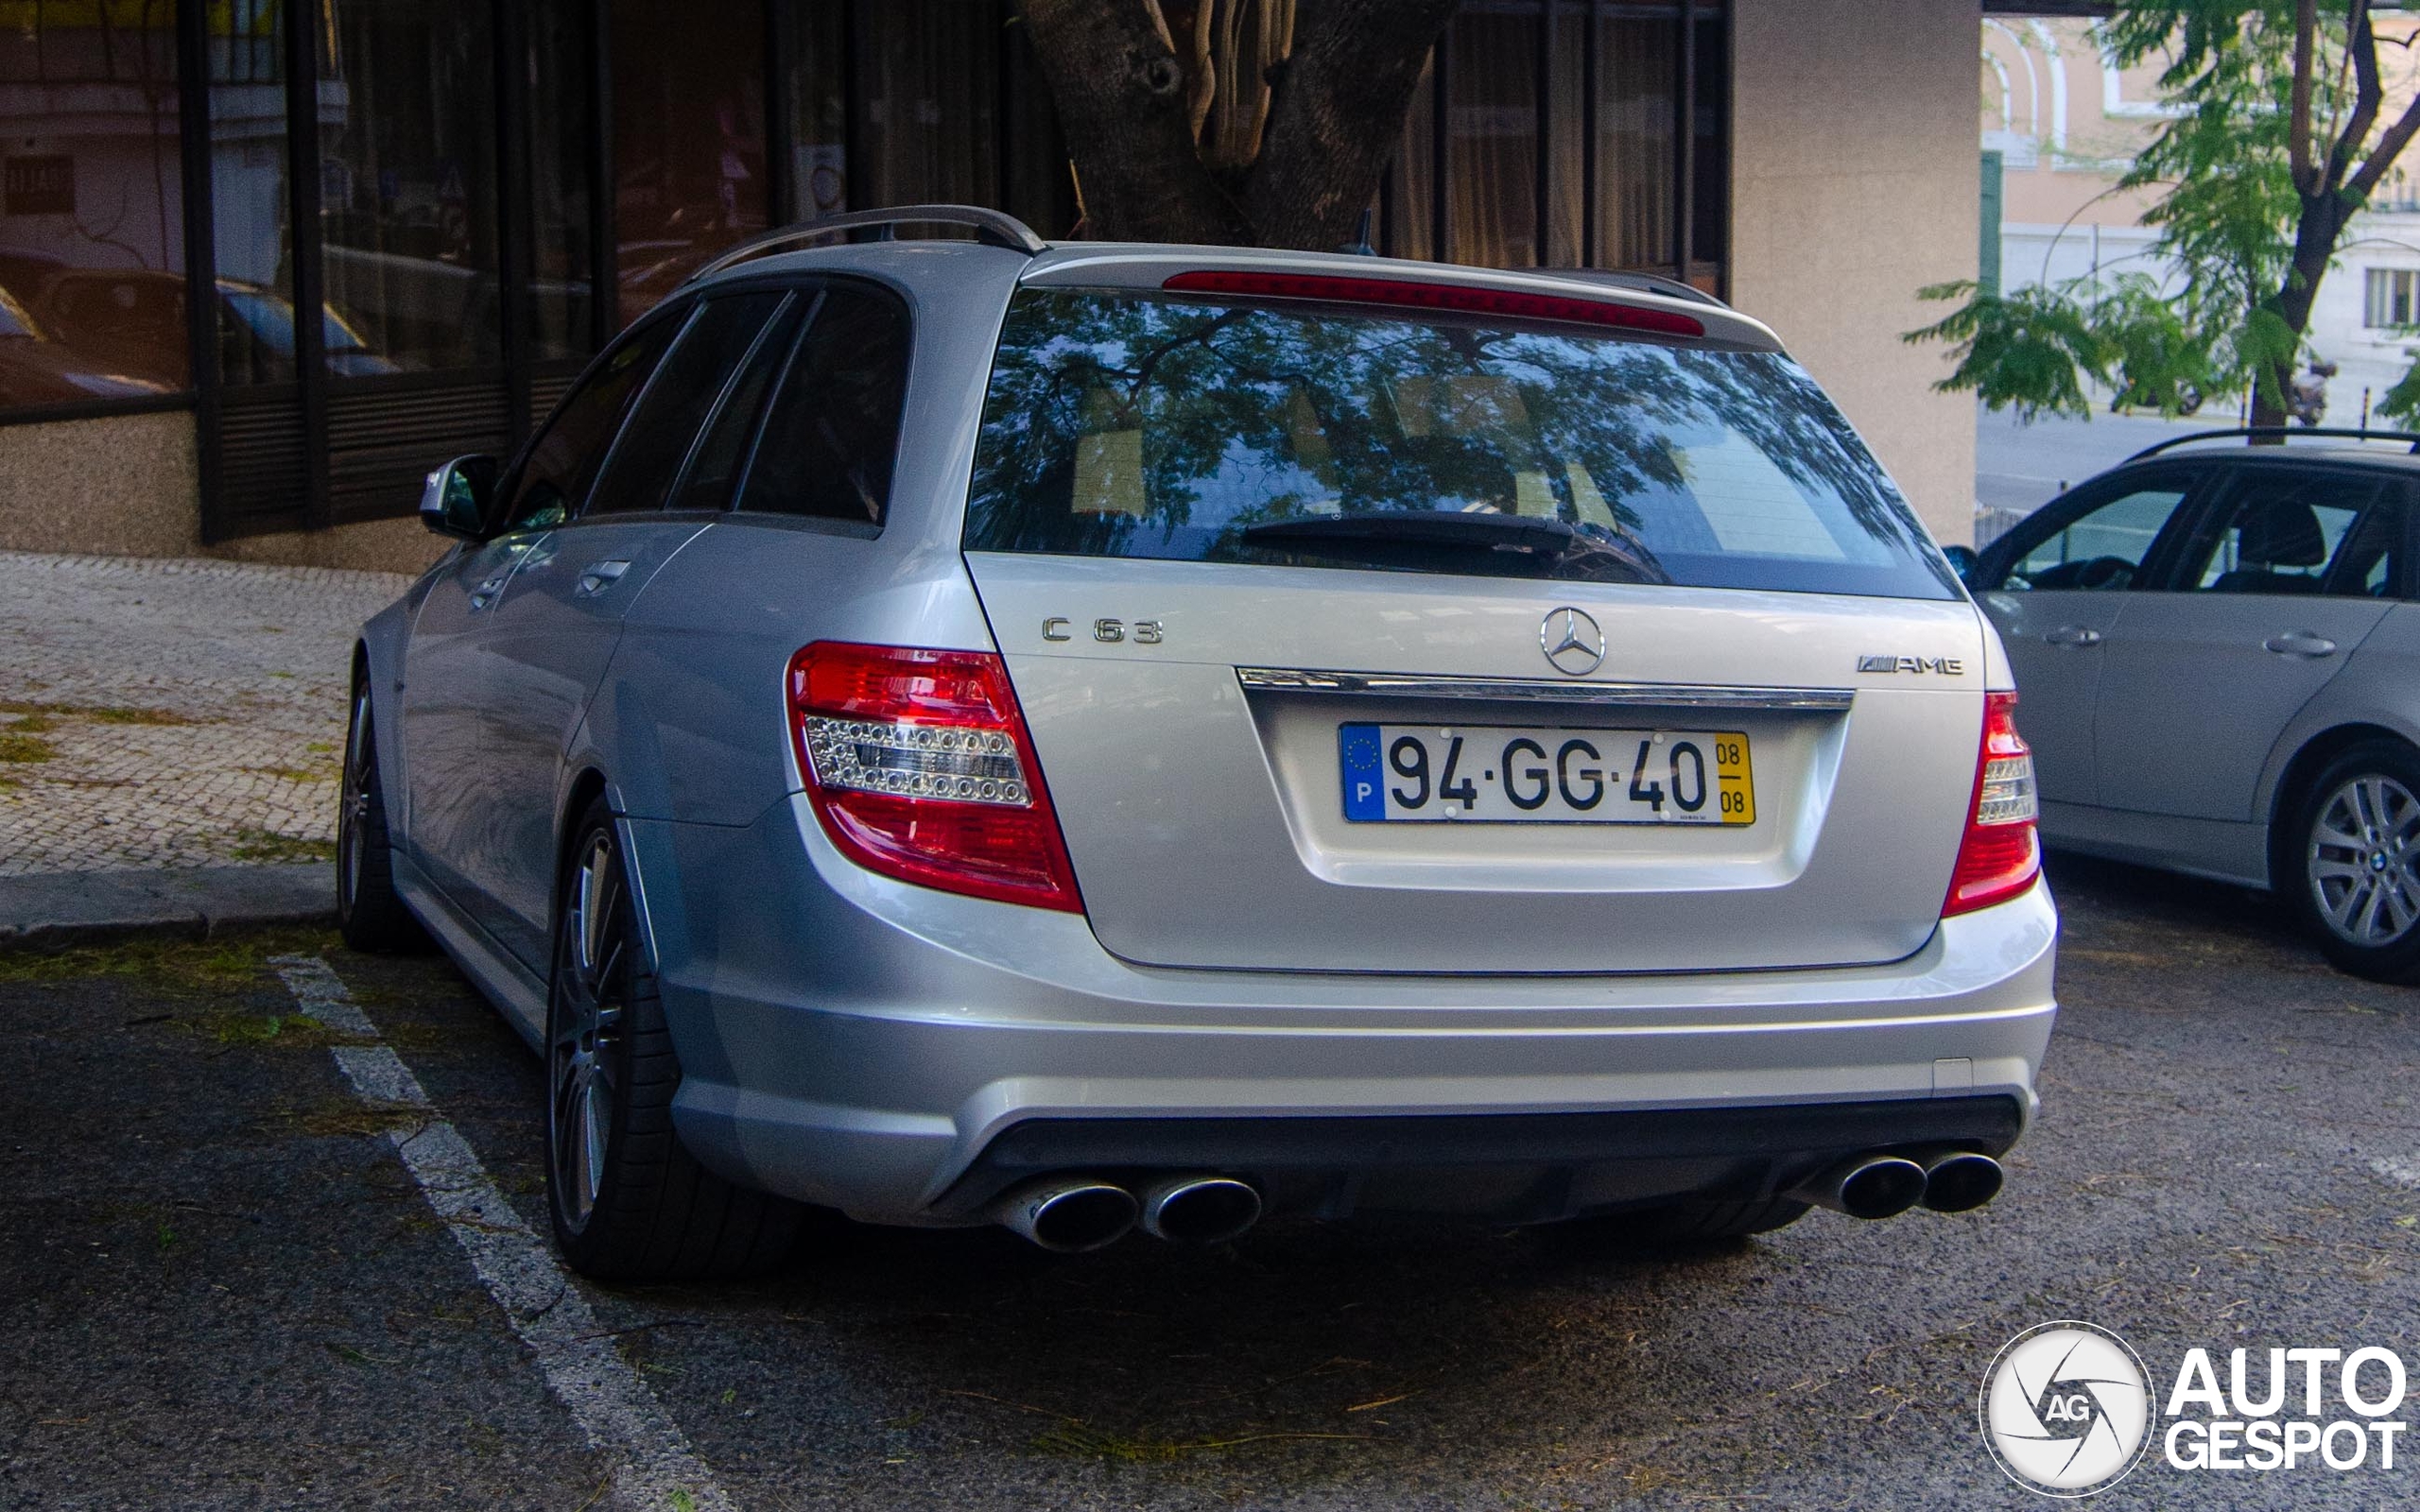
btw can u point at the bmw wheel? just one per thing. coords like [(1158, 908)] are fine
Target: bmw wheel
[(2352, 861), (368, 912), (629, 1202)]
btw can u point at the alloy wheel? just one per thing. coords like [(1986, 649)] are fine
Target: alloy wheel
[(2363, 861), (353, 803), (583, 1051)]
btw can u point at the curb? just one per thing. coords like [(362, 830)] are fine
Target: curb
[(58, 910)]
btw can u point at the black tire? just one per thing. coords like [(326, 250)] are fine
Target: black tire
[(369, 914), (1678, 1224), (628, 1203), (2347, 861)]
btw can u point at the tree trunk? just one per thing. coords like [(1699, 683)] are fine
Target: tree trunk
[(2315, 236), (1335, 121)]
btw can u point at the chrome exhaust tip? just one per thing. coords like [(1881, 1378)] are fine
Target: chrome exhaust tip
[(1961, 1180), (1866, 1186), (1199, 1209), (1069, 1218)]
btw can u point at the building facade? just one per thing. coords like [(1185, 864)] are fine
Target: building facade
[(473, 194)]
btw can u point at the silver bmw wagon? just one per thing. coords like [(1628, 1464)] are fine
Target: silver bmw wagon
[(1092, 737)]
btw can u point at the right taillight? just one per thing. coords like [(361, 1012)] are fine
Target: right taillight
[(921, 769), (2000, 855)]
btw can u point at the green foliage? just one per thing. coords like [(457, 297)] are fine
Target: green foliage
[(2230, 215)]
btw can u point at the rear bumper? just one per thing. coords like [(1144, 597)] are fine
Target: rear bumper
[(904, 1055)]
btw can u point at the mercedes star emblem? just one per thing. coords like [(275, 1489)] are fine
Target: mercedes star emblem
[(1572, 641)]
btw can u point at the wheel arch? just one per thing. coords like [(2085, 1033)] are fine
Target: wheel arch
[(2303, 769)]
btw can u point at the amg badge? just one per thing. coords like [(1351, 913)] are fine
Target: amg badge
[(1948, 666)]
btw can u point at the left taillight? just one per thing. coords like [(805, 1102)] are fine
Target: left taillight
[(921, 769), (2000, 854)]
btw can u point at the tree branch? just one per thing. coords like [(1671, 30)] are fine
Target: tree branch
[(2390, 146), (2363, 44), (2298, 120), (1339, 120)]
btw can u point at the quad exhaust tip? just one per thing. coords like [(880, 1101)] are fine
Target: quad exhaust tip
[(1961, 1180), (1199, 1209), (1069, 1218), (1885, 1186)]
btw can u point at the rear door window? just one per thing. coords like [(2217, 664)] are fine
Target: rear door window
[(2276, 532), (684, 391), (1118, 425), (832, 432)]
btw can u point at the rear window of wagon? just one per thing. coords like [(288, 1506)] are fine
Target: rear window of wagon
[(1185, 430)]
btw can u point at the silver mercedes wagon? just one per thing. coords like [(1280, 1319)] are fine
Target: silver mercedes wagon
[(1094, 736)]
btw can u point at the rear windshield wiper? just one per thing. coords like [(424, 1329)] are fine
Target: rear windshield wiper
[(1502, 544)]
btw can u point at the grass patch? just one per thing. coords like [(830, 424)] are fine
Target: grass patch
[(295, 774), (267, 846), (345, 1116), (232, 963), (293, 1031), (98, 714), (17, 745)]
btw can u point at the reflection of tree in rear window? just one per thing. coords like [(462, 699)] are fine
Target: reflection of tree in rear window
[(1154, 427)]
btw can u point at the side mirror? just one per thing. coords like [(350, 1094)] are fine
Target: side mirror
[(455, 500), (1964, 561)]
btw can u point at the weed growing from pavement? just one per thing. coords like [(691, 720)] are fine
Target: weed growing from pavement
[(99, 713), (296, 773), (267, 846), (17, 744)]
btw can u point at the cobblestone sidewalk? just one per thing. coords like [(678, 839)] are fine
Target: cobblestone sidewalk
[(172, 714)]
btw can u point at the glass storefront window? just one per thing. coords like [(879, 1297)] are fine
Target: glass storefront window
[(929, 100), (408, 185), (1492, 136), (92, 216), (1637, 62), (818, 110), (562, 268), (252, 241), (688, 140)]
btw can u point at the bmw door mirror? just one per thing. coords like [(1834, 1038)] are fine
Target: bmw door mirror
[(455, 498), (1964, 560)]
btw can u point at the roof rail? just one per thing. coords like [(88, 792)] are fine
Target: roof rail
[(2250, 432), (990, 225), (1639, 282)]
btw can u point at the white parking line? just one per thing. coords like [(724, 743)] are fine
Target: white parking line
[(654, 1466), (2402, 1172)]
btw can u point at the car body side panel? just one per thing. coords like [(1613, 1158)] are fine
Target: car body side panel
[(2378, 686)]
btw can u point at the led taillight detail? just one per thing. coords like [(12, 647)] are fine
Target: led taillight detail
[(921, 769), (2000, 855), (1462, 298)]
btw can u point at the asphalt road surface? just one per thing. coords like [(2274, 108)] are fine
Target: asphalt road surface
[(2022, 465), (223, 1283)]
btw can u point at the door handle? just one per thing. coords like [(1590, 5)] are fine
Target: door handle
[(2299, 643), (485, 594), (2073, 635), (601, 576)]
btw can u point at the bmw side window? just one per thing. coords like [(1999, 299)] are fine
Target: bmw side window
[(563, 461), (2373, 561), (640, 472), (830, 437), (2105, 546), (2276, 532)]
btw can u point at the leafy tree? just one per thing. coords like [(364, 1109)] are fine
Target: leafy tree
[(1240, 121), (2280, 138)]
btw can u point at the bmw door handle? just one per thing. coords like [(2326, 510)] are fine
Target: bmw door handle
[(2074, 635), (2300, 643), (601, 576)]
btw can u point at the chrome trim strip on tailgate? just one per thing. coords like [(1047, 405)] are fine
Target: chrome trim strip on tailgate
[(1528, 690)]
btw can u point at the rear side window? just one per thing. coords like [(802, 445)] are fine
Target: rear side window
[(2104, 546), (833, 430), (1154, 427), (675, 405), (2277, 533)]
